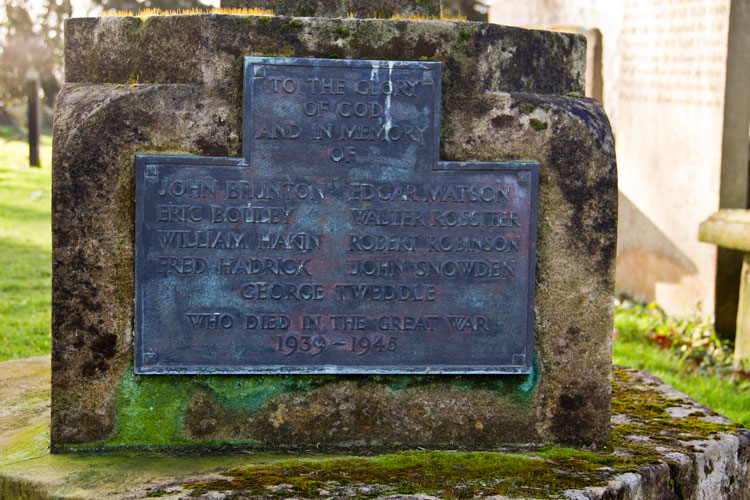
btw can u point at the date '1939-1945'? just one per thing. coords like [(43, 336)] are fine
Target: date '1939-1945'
[(316, 344)]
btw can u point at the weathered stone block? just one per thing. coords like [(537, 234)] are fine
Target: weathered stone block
[(172, 84)]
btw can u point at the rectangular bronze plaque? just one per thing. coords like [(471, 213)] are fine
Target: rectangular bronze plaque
[(339, 243)]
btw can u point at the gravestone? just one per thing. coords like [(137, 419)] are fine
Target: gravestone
[(410, 251), (730, 229), (675, 88)]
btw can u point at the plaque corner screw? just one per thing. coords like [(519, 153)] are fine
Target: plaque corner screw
[(519, 359), (150, 358)]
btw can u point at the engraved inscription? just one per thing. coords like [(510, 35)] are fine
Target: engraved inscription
[(384, 113), (674, 52), (340, 243)]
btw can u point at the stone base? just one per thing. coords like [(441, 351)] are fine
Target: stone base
[(664, 445)]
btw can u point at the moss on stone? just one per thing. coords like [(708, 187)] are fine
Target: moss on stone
[(447, 474), (146, 418), (647, 412), (358, 9), (342, 31), (538, 125), (143, 420), (29, 443), (166, 52), (293, 24)]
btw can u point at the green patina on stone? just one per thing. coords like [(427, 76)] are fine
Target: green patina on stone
[(294, 24), (146, 418)]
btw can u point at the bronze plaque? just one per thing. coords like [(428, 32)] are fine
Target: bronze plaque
[(339, 243)]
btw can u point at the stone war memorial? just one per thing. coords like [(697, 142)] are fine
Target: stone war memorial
[(341, 257), (364, 201), (385, 212)]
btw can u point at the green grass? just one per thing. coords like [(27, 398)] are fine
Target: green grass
[(25, 249), (720, 393)]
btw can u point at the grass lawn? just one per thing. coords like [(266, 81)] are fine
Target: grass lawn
[(25, 249), (632, 348), (25, 284)]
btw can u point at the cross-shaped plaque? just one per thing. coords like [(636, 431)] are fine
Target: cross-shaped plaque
[(339, 243)]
